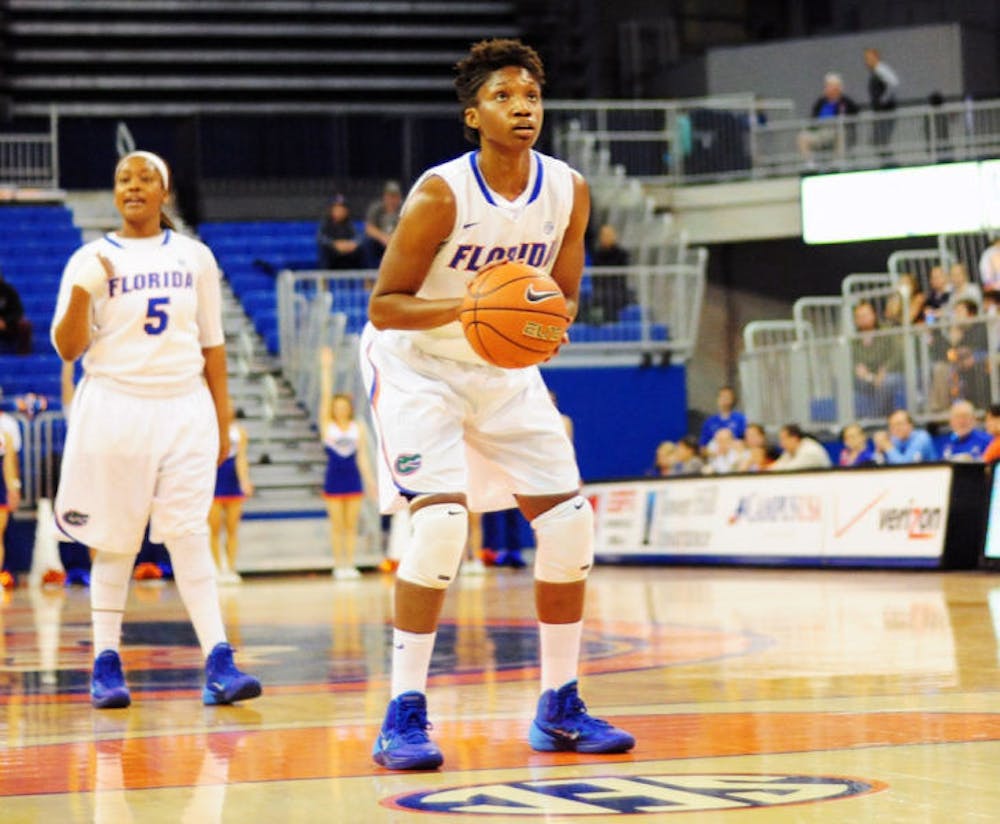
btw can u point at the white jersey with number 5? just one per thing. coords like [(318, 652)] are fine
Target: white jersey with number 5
[(489, 227), (159, 310)]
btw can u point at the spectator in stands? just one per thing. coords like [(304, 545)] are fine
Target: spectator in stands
[(892, 312), (992, 453), (989, 267), (609, 293), (726, 418), (799, 451), (827, 133), (966, 441), (725, 453), (757, 453), (380, 222), (856, 451), (909, 287), (15, 328), (991, 302), (961, 371), (962, 288), (882, 85), (936, 301), (686, 459), (903, 444), (663, 460), (10, 497), (878, 365), (338, 240)]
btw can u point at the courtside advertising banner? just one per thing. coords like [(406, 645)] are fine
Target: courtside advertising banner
[(896, 515)]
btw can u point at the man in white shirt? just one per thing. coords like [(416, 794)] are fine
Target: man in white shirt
[(798, 451)]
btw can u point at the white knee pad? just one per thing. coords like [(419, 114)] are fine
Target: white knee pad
[(564, 540), (436, 545)]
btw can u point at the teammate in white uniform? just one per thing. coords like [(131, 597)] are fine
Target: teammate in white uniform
[(142, 305), (457, 434)]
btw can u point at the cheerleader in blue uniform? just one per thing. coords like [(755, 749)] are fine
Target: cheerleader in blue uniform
[(348, 473), (232, 486), (10, 497)]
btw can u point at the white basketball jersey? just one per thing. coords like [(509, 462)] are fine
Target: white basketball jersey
[(489, 227), (157, 313)]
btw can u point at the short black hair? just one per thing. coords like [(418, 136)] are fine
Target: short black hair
[(994, 410), (794, 430), (484, 58)]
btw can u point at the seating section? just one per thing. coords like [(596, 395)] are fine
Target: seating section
[(37, 242), (221, 52)]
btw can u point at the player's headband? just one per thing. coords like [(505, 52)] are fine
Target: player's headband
[(156, 160)]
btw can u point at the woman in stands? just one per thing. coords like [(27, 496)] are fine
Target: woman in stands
[(142, 306), (232, 486), (348, 472), (10, 497)]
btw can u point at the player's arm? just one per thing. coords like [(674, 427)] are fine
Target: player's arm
[(426, 223), (218, 386), (364, 465), (568, 268)]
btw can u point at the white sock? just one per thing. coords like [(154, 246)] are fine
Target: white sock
[(411, 660), (194, 572), (560, 653), (110, 573)]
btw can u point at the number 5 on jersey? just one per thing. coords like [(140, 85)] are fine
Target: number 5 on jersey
[(156, 316)]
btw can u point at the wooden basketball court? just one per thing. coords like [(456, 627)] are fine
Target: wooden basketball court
[(755, 696)]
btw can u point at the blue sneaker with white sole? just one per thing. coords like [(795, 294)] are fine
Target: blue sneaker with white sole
[(107, 682), (563, 725), (224, 684), (403, 743)]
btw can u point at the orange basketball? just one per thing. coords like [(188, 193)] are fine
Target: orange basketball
[(514, 315)]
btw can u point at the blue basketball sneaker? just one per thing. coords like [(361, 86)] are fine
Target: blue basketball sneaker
[(562, 724), (224, 684), (107, 682), (403, 743)]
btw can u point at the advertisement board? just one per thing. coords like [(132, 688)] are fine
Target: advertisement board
[(813, 517)]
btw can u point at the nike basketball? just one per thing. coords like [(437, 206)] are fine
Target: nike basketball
[(514, 315)]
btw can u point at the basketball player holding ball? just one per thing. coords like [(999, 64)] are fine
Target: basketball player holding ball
[(457, 433)]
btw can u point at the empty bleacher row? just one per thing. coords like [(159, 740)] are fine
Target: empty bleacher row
[(814, 368), (228, 51)]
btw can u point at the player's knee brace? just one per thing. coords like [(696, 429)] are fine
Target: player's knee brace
[(436, 546), (564, 540)]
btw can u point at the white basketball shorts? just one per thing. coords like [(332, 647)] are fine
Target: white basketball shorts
[(443, 426), (132, 459)]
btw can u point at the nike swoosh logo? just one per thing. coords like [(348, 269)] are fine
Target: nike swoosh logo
[(578, 506), (470, 225), (532, 296), (455, 511)]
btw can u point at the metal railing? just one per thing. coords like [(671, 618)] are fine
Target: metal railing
[(713, 139), (827, 382), (30, 160), (629, 310)]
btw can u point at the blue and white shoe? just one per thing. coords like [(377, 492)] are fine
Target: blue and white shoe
[(224, 684), (107, 682), (563, 725), (403, 743)]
